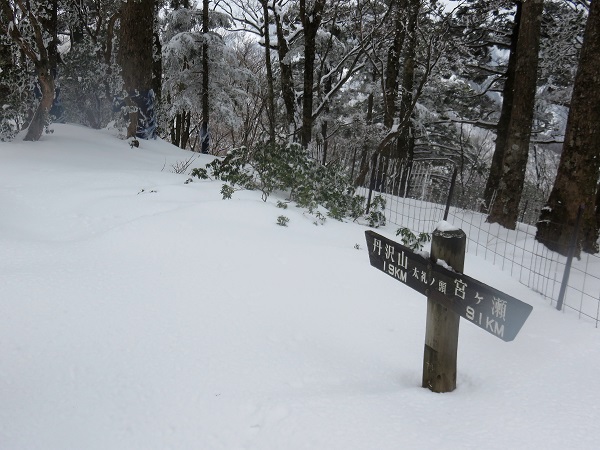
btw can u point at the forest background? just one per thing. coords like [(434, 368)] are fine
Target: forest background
[(508, 92)]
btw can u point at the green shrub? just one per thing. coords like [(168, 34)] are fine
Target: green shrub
[(288, 168), (376, 217), (411, 240), (283, 221)]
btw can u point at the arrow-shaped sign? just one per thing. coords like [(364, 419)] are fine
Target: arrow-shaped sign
[(496, 312)]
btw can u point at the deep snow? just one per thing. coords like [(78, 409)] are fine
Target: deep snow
[(140, 312)]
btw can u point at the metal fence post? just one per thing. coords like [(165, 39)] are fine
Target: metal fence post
[(572, 247)]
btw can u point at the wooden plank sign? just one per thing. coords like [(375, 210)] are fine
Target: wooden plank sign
[(486, 307)]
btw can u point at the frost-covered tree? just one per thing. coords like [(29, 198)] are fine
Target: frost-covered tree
[(90, 77), (183, 49), (16, 86), (32, 26)]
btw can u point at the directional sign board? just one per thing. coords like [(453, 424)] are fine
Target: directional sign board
[(488, 308)]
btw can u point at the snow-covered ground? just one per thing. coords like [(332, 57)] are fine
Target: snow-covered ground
[(140, 312)]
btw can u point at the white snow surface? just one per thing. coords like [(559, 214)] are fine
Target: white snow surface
[(140, 312), (444, 226)]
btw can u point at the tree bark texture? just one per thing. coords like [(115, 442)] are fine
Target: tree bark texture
[(495, 174), (405, 141), (577, 177), (311, 21), (392, 67), (269, 72), (135, 55), (204, 131), (505, 209), (286, 77)]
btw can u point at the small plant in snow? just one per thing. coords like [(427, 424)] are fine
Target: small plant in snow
[(320, 218), (411, 240), (282, 221), (227, 191), (282, 205), (357, 247)]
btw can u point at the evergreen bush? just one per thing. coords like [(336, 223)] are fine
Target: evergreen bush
[(288, 168)]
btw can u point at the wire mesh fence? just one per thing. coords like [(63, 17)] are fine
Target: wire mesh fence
[(416, 197)]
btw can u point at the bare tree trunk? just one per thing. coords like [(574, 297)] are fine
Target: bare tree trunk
[(204, 132), (157, 68), (269, 68), (505, 209), (136, 59), (577, 177), (311, 21), (364, 166), (185, 128), (287, 83), (40, 117), (405, 143), (495, 174), (392, 68), (176, 130)]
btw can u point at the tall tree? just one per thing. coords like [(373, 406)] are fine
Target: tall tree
[(90, 75), (505, 208), (286, 76), (136, 59), (311, 21), (392, 67), (405, 140), (578, 171), (204, 133), (502, 129), (269, 68)]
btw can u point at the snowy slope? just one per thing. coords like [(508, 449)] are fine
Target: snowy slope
[(140, 312)]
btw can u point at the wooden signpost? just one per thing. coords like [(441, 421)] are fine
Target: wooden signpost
[(450, 295)]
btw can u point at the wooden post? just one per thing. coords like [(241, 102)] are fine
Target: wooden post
[(441, 333)]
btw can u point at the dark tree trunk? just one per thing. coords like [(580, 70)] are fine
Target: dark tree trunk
[(269, 68), (495, 174), (185, 129), (40, 117), (311, 21), (157, 65), (327, 85), (180, 129), (176, 130), (505, 209), (286, 76), (392, 67), (405, 143), (136, 59), (204, 132), (364, 166), (577, 177)]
